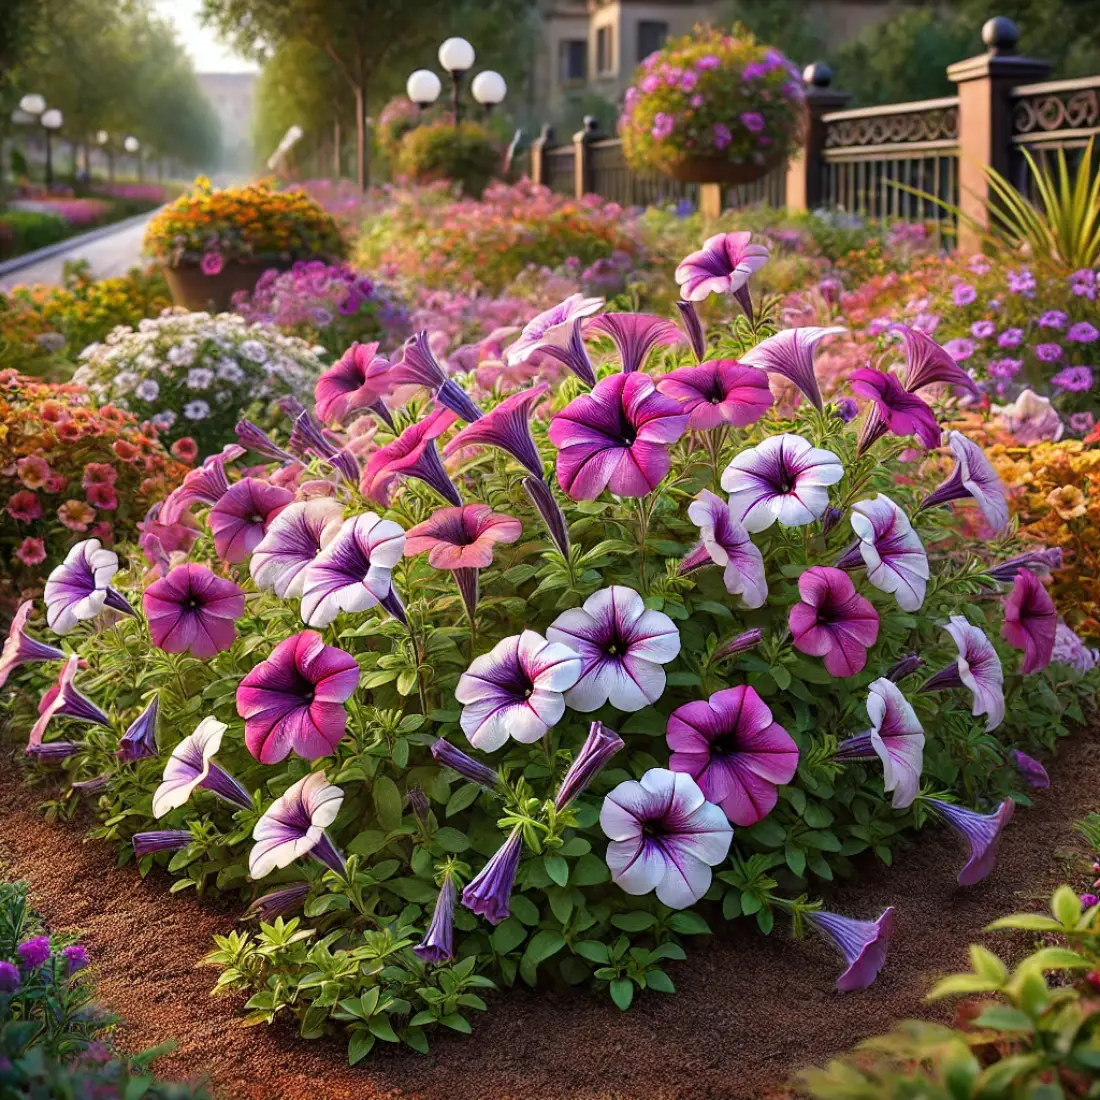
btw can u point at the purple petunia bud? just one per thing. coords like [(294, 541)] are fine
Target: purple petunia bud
[(438, 943), (140, 740), (466, 766), (53, 751), (34, 952), (160, 840), (905, 667), (490, 893), (830, 519), (1032, 771), (846, 409), (1038, 561), (253, 438), (542, 497), (694, 328), (279, 902), (600, 745), (76, 958), (418, 803), (93, 786), (9, 977), (742, 643), (1089, 900)]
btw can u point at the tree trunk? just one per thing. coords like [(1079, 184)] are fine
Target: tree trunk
[(362, 167), (337, 158)]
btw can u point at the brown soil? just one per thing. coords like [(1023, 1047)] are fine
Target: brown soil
[(749, 1010)]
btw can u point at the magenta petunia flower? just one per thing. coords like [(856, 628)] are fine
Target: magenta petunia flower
[(212, 263), (309, 438), (783, 479), (349, 384), (64, 700), (242, 516), (418, 366), (294, 826), (206, 484), (731, 747), (982, 832), (977, 667), (20, 648), (863, 943), (622, 645), (508, 426), (891, 551), (193, 611), (1083, 332), (894, 410), (973, 476), (294, 538), (635, 335), (515, 690), (294, 701), (551, 328), (896, 737), (411, 454), (717, 392), (278, 903), (790, 354), (352, 573), (725, 542), (665, 836), (77, 589), (927, 364), (833, 621), (160, 840), (1074, 379), (723, 265), (618, 437), (1030, 622), (191, 765)]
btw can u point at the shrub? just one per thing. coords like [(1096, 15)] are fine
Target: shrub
[(712, 95), (398, 117), (23, 231), (254, 223), (69, 470), (191, 374), (466, 155), (301, 684)]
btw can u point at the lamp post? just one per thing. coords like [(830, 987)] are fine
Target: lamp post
[(132, 146), (103, 140), (423, 88), (52, 120), (489, 89), (456, 55)]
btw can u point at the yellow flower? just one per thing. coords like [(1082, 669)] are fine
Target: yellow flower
[(1068, 501)]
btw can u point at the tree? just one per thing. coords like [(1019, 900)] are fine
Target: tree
[(789, 25)]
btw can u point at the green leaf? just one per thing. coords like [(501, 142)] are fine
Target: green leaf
[(507, 936), (1066, 906), (659, 980), (525, 909), (543, 945), (387, 802), (1029, 922), (960, 985), (561, 903), (458, 1023), (381, 1028), (688, 924), (589, 870), (634, 922), (622, 993), (359, 1046), (418, 890), (593, 950), (1057, 958), (1004, 1018), (987, 965), (451, 840), (556, 867), (463, 797)]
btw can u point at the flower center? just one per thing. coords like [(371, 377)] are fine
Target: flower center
[(255, 518), (193, 604), (725, 745), (654, 829)]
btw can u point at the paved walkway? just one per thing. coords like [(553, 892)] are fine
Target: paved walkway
[(112, 254)]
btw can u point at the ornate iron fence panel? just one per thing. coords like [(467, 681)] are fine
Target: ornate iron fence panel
[(1058, 115)]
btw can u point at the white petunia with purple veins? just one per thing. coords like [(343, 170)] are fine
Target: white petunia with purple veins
[(77, 589), (292, 542), (973, 476), (978, 668), (622, 646), (890, 549), (294, 826), (726, 543), (552, 328), (192, 765)]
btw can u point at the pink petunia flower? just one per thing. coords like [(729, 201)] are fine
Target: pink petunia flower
[(895, 410), (293, 540), (350, 384), (294, 826), (719, 391), (242, 516), (31, 551), (101, 496), (76, 515), (411, 454), (24, 506), (212, 263), (34, 471), (1030, 621), (552, 327), (635, 335), (723, 265), (833, 621), (193, 611)]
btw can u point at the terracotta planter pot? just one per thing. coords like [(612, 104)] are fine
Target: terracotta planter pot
[(719, 170), (193, 290)]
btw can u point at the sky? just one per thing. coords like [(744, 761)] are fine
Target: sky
[(208, 53)]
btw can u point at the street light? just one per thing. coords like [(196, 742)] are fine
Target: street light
[(423, 88), (132, 145), (32, 104), (51, 120), (489, 89), (456, 55)]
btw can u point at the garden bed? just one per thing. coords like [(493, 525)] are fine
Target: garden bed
[(750, 1010)]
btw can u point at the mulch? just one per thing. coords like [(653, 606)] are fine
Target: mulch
[(750, 1010)]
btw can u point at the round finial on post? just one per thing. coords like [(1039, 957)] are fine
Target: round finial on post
[(1000, 35), (817, 74), (591, 124)]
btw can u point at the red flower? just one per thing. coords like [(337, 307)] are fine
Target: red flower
[(24, 506), (31, 551), (101, 496), (185, 449), (124, 449), (99, 473), (70, 432)]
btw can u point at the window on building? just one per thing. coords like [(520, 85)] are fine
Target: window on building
[(605, 64), (574, 60), (652, 35)]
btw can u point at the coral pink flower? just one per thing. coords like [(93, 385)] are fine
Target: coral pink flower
[(31, 551), (99, 473), (242, 516), (76, 515), (461, 538), (833, 621), (720, 391), (350, 383), (102, 496), (1031, 620), (185, 449), (412, 454), (193, 611), (34, 471), (24, 506)]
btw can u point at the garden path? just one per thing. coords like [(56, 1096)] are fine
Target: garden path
[(749, 1011)]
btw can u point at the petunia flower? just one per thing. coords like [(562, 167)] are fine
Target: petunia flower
[(412, 454), (981, 831), (294, 538), (622, 646), (863, 943), (618, 437), (784, 478), (790, 354), (160, 840), (20, 648), (65, 700), (977, 667), (894, 410), (890, 549), (352, 573), (473, 771), (896, 737), (204, 485), (573, 355), (551, 328), (723, 265), (193, 611), (693, 326), (1030, 621), (140, 739), (717, 392), (252, 438), (599, 746), (489, 893), (732, 748), (279, 902), (665, 836), (294, 826), (294, 700), (308, 438), (515, 690), (1032, 771), (418, 366), (438, 943), (740, 643), (833, 621), (975, 477), (508, 426), (634, 335), (461, 540), (726, 543), (347, 385), (77, 590), (191, 765), (242, 516)]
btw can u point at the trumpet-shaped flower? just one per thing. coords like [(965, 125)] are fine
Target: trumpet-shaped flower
[(418, 366), (973, 476), (294, 701), (348, 384), (140, 739), (193, 611), (783, 479), (618, 437), (790, 354), (863, 943), (308, 438), (253, 438), (717, 392), (160, 840), (279, 902), (412, 454), (982, 832), (731, 747), (927, 364), (894, 410), (693, 326), (20, 648), (1030, 622), (635, 335), (461, 538), (515, 690), (489, 893), (64, 700), (294, 826), (599, 747), (508, 426), (206, 484), (1033, 772), (890, 549), (77, 589), (191, 765), (573, 355), (726, 543), (723, 265), (622, 646), (352, 573), (294, 538), (978, 668), (833, 621), (665, 836), (551, 328), (438, 943), (473, 771), (896, 737), (243, 515)]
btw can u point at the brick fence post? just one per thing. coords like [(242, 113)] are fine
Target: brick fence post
[(584, 181), (985, 86), (538, 153), (805, 169)]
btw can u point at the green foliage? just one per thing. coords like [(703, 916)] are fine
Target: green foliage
[(465, 155), (1027, 1037), (23, 231)]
